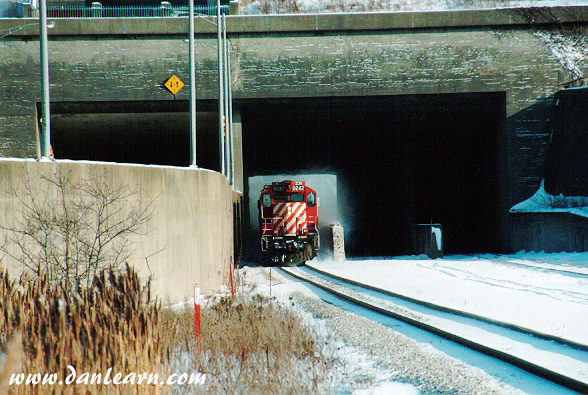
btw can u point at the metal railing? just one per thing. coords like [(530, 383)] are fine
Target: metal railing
[(98, 11)]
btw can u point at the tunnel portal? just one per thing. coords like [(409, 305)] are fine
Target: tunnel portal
[(400, 160), (145, 132)]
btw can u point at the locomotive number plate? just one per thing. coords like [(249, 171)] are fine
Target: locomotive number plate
[(279, 188), (298, 188)]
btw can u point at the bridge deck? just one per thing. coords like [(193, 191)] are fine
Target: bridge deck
[(309, 23)]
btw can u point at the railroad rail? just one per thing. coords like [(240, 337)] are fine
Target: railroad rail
[(543, 355), (571, 270)]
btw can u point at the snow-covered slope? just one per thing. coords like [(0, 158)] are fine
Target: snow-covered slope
[(306, 6), (503, 287)]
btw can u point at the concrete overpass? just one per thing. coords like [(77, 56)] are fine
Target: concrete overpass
[(438, 116)]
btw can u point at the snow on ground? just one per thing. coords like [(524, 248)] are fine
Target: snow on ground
[(545, 301), (564, 261), (361, 374), (498, 287), (569, 50)]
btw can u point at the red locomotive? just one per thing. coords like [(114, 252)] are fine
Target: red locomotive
[(288, 221)]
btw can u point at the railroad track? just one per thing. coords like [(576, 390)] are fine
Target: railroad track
[(555, 359), (576, 271)]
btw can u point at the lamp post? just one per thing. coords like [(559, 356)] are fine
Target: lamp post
[(221, 89), (44, 62), (192, 87), (228, 102), (45, 113), (224, 95)]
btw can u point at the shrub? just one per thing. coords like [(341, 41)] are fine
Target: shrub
[(68, 230)]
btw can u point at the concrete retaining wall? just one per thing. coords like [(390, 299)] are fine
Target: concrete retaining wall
[(191, 226), (549, 232)]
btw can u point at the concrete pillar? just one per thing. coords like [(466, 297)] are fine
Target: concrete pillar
[(338, 238), (96, 9), (234, 7), (238, 150), (165, 8), (428, 239), (28, 11)]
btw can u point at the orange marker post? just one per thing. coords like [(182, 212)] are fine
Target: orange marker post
[(197, 332), (232, 274)]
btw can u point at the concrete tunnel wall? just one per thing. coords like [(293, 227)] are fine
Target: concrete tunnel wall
[(123, 62), (190, 231)]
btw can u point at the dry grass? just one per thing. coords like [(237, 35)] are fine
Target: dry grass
[(249, 345), (110, 325), (262, 347)]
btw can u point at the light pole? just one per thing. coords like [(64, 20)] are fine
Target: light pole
[(228, 102), (44, 65), (45, 113), (221, 89), (192, 87), (224, 95)]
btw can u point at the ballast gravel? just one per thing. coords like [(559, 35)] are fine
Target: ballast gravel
[(397, 356)]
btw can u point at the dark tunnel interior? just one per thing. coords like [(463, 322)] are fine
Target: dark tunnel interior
[(144, 132), (400, 160)]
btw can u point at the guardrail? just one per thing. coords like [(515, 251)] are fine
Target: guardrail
[(165, 10)]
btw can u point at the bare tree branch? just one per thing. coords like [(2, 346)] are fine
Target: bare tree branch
[(73, 229)]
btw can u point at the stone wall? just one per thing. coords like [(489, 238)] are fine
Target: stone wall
[(105, 63)]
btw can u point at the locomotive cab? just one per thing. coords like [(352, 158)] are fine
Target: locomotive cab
[(288, 222)]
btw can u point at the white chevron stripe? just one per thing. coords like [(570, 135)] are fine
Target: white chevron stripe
[(289, 217), (280, 209)]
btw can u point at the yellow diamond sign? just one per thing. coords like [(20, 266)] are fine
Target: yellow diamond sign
[(174, 84)]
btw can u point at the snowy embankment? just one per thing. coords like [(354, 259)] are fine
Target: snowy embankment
[(322, 6), (545, 301), (376, 359), (543, 202), (371, 358)]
